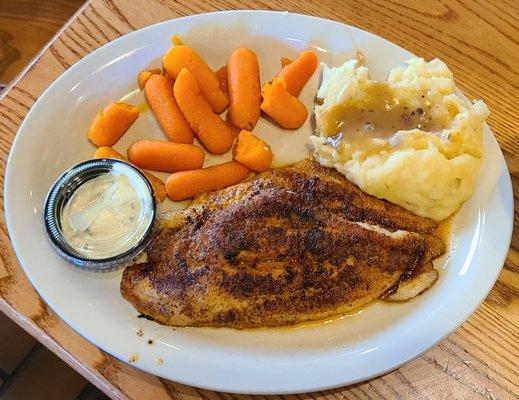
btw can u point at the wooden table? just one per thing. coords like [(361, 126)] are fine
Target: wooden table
[(25, 27), (477, 39)]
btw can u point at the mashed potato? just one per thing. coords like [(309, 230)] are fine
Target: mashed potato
[(411, 139)]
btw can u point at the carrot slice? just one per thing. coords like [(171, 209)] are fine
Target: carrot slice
[(156, 183), (286, 110), (176, 40), (299, 71), (253, 152), (159, 94), (145, 75), (178, 57), (210, 129), (243, 77), (111, 123), (187, 184), (284, 61), (159, 155)]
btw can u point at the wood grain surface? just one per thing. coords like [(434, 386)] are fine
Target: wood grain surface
[(478, 40), (25, 27)]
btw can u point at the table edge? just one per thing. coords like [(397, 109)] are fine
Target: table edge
[(40, 52)]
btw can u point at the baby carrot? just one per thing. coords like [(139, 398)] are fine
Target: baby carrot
[(178, 57), (145, 75), (156, 183), (243, 77), (253, 152), (159, 155), (187, 184), (286, 110), (299, 71), (111, 122), (108, 152), (210, 129), (159, 94), (96, 131)]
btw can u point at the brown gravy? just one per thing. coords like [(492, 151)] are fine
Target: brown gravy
[(444, 230), (367, 126)]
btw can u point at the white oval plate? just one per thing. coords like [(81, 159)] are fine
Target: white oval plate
[(53, 137)]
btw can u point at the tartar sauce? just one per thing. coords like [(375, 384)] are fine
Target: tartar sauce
[(102, 211), (100, 214)]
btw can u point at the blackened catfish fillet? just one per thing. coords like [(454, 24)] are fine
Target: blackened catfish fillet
[(291, 245)]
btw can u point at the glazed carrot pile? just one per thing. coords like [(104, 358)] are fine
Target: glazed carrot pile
[(187, 99)]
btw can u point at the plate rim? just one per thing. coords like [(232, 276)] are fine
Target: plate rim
[(9, 223)]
